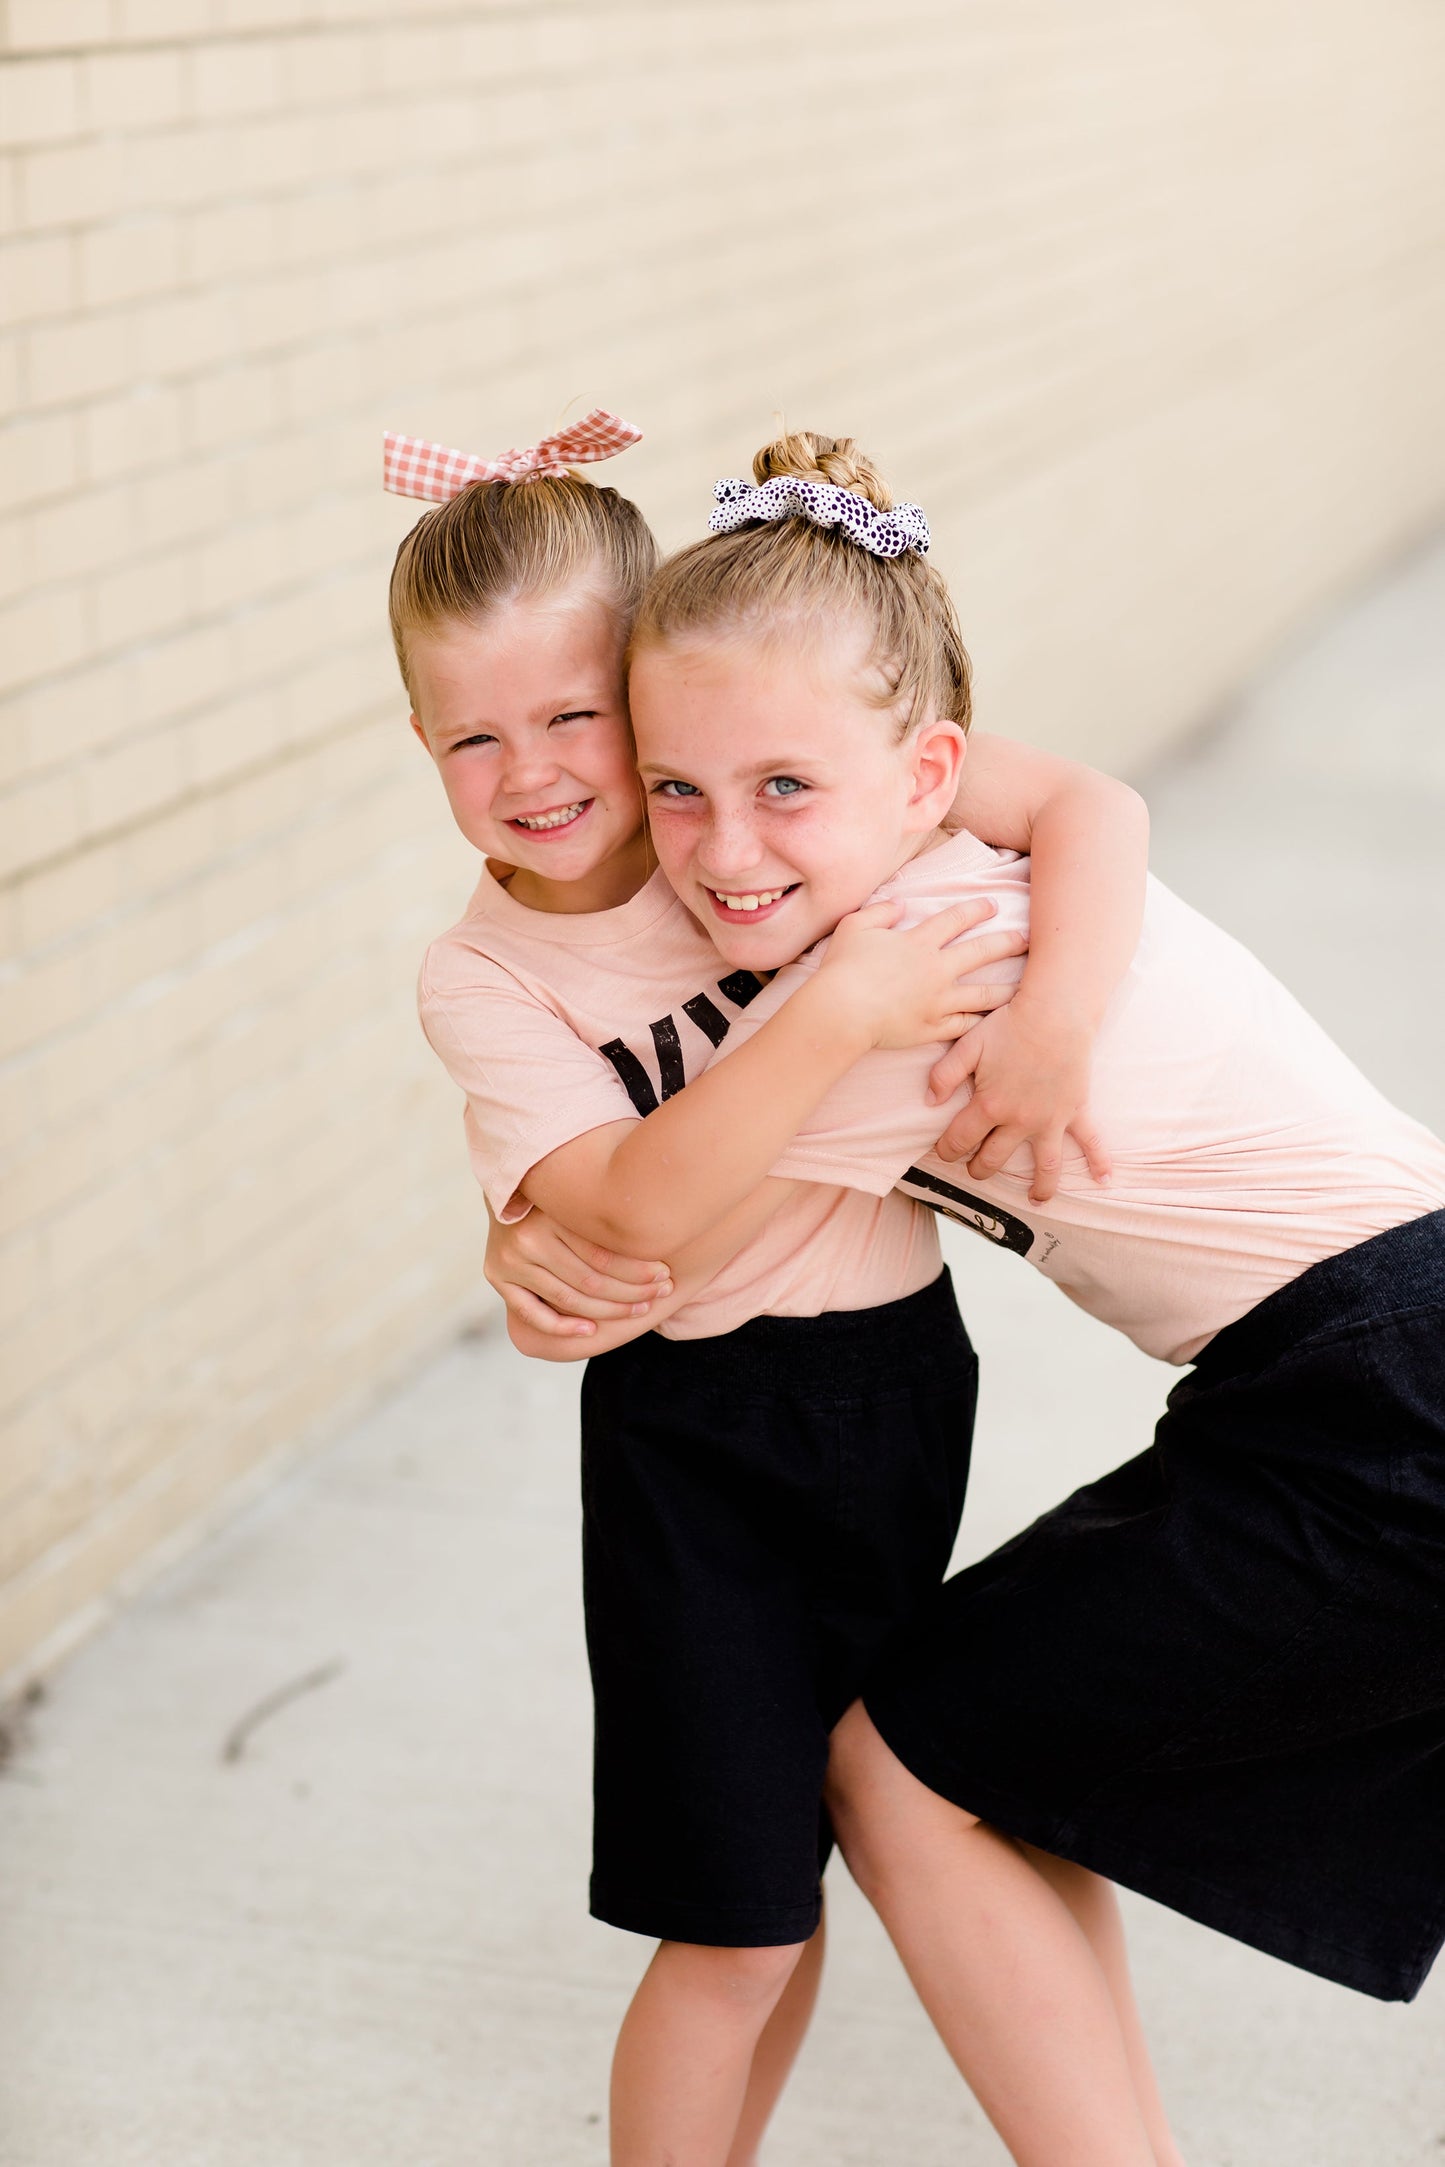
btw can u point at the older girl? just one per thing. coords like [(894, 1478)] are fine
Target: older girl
[(1217, 1675)]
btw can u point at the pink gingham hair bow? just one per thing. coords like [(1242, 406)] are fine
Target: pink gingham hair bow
[(413, 468)]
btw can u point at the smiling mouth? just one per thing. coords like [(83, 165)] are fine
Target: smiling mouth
[(554, 822), (747, 906)]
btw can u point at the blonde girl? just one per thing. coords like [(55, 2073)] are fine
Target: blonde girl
[(1218, 1675), (741, 1575)]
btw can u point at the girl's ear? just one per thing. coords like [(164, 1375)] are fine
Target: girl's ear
[(936, 756), (415, 721)]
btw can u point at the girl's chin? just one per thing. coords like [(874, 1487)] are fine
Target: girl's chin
[(766, 950)]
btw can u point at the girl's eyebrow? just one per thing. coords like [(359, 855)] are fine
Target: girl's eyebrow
[(583, 704), (811, 763), (466, 729)]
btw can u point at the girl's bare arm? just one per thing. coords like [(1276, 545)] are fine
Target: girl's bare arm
[(1088, 836), (536, 1327), (649, 1188)]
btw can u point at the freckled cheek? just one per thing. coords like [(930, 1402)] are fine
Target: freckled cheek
[(675, 838)]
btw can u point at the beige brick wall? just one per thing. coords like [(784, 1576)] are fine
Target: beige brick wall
[(1143, 301)]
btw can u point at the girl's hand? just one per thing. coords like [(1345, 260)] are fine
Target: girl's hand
[(1030, 1085), (903, 989), (563, 1286)]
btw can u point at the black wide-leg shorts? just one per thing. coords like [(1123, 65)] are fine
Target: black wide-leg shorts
[(1218, 1675), (761, 1511)]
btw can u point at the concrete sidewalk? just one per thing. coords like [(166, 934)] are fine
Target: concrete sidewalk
[(347, 1928)]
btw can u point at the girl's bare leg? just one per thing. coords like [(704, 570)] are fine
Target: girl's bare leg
[(1096, 1907), (776, 2052), (997, 1958), (685, 2052)]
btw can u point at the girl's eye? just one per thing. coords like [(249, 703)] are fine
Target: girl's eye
[(575, 714), (675, 790), (784, 786), (481, 738)]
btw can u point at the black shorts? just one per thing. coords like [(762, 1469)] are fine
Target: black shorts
[(1218, 1674), (761, 1511)]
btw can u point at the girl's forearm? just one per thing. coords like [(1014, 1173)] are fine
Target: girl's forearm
[(672, 1177), (1090, 852), (693, 1268)]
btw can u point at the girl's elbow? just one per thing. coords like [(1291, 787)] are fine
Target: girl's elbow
[(631, 1231), (1131, 807)]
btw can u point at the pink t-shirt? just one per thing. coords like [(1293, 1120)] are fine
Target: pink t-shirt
[(553, 1024), (1246, 1147)]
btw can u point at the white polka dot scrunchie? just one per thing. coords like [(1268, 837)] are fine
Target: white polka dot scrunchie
[(786, 496)]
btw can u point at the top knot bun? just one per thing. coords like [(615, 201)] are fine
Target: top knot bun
[(813, 458)]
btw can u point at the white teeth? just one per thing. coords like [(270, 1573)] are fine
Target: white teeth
[(750, 902), (555, 819)]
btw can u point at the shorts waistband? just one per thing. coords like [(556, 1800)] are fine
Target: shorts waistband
[(1403, 1268), (846, 1350)]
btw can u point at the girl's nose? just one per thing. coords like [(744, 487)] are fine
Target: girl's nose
[(531, 768), (726, 846), (727, 849)]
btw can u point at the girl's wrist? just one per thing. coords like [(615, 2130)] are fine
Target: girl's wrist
[(835, 1014), (1061, 1016)]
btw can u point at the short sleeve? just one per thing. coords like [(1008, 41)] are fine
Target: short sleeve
[(531, 1084)]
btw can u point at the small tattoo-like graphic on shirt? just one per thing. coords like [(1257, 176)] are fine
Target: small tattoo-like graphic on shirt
[(987, 1219), (739, 987), (1053, 1245)]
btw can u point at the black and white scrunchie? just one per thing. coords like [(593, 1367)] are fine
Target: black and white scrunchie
[(886, 534)]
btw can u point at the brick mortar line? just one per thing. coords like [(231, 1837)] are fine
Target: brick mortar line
[(135, 910), (199, 793), (254, 1096), (518, 11), (357, 182), (100, 657), (257, 1091), (722, 230), (143, 994), (253, 1249)]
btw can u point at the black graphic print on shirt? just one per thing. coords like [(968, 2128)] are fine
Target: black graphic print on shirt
[(990, 1220), (738, 988)]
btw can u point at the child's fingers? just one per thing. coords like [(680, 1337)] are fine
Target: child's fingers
[(954, 1067), (997, 1148), (1095, 1150), (1048, 1165), (570, 1301), (956, 1023), (528, 1309), (974, 1000), (590, 1269), (964, 1134), (871, 916), (947, 925), (984, 950)]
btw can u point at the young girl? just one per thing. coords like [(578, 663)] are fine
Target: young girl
[(1219, 1674), (769, 1488)]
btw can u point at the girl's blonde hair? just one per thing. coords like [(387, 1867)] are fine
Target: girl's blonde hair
[(498, 542), (788, 572)]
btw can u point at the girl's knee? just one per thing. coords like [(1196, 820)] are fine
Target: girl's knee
[(743, 1976), (882, 1815)]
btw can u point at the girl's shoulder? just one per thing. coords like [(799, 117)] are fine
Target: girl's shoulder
[(957, 866), (502, 946)]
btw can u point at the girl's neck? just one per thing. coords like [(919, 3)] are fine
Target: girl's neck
[(607, 887)]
